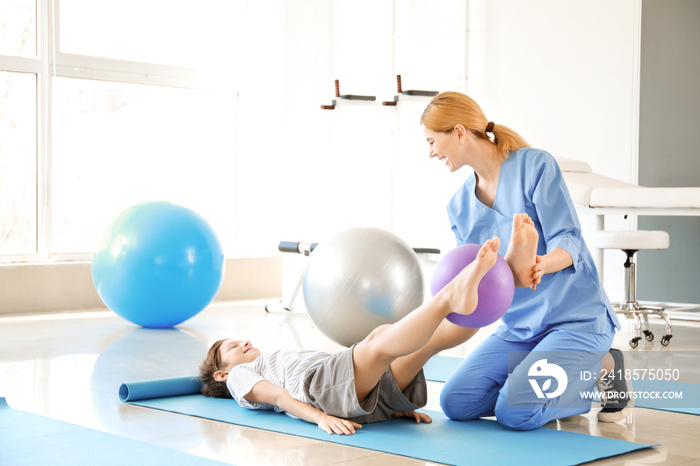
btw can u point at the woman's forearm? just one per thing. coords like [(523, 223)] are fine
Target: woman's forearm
[(555, 260)]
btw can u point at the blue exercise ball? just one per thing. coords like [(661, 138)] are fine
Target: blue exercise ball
[(158, 264)]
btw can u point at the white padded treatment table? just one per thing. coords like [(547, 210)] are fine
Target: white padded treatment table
[(601, 195)]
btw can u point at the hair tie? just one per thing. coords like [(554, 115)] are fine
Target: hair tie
[(489, 127)]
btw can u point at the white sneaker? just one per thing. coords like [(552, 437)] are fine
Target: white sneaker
[(615, 391)]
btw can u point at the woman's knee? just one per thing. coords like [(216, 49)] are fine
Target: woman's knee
[(518, 421), (465, 404), (518, 418)]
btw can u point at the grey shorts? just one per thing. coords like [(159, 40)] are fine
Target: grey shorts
[(330, 387)]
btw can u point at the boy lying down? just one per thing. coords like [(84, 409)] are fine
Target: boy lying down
[(374, 380)]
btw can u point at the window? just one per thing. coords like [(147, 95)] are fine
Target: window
[(170, 32), (18, 32), (118, 144), (107, 104), (17, 163), (214, 104)]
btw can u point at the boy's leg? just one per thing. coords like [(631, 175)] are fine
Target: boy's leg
[(373, 355), (448, 335), (521, 255)]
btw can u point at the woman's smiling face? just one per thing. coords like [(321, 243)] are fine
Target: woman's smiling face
[(445, 147)]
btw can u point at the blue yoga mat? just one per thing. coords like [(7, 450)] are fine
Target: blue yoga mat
[(442, 441), (690, 395), (30, 439), (439, 368)]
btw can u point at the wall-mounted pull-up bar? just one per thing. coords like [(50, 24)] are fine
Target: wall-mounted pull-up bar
[(370, 98), (367, 98)]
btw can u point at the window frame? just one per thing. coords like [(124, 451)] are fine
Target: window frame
[(49, 63)]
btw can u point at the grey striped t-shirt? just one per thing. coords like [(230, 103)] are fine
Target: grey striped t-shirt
[(284, 368)]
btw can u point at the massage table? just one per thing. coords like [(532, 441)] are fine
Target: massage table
[(601, 195)]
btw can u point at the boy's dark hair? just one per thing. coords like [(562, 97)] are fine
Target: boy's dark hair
[(211, 364)]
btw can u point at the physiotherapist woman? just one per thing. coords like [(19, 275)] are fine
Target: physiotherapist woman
[(566, 319)]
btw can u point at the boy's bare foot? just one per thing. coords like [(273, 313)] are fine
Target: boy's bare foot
[(462, 294), (522, 250)]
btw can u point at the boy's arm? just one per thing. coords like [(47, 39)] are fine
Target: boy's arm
[(268, 393)]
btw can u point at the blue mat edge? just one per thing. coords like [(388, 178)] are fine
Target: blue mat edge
[(162, 455), (616, 447)]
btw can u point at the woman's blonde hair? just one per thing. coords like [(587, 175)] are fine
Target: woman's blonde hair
[(449, 109)]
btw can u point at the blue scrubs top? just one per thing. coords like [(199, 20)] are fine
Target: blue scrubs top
[(530, 181)]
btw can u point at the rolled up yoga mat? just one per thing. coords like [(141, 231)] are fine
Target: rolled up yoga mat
[(147, 389)]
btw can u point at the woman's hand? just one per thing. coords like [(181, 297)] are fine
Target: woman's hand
[(552, 262), (418, 416), (537, 271), (336, 425)]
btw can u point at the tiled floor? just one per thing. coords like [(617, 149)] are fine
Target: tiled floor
[(69, 367)]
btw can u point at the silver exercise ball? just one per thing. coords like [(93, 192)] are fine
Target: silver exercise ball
[(359, 280)]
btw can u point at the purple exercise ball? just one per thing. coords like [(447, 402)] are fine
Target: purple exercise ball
[(495, 291)]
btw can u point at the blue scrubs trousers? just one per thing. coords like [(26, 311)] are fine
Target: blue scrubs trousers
[(484, 386)]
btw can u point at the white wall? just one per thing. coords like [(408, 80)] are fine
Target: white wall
[(565, 76), (364, 165), (560, 73), (68, 287)]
